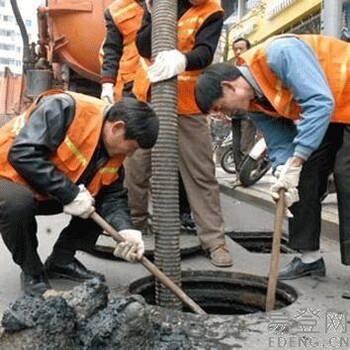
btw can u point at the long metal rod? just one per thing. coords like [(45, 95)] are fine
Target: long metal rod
[(150, 267), (275, 254)]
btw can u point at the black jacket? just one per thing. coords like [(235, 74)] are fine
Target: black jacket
[(112, 48), (205, 44), (40, 137)]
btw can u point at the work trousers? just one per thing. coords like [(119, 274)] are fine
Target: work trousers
[(243, 139), (197, 169), (18, 228), (333, 155)]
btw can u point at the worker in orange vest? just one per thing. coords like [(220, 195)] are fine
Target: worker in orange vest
[(296, 89), (119, 62), (65, 154), (199, 26), (119, 57)]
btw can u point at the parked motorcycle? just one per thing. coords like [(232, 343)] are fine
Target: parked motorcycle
[(221, 135), (226, 160), (254, 166)]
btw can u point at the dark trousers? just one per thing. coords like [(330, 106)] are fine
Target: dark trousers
[(243, 139), (18, 228), (184, 205), (332, 155)]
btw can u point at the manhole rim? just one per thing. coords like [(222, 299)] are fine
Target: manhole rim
[(285, 293)]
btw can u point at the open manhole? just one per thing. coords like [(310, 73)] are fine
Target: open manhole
[(259, 242), (222, 293), (105, 245)]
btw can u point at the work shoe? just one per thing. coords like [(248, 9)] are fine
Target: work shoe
[(34, 285), (221, 257), (187, 222), (74, 271), (346, 291), (296, 269), (236, 183)]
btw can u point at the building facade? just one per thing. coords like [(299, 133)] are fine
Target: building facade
[(11, 48), (256, 20)]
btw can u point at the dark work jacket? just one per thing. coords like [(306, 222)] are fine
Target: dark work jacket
[(112, 48), (40, 137), (205, 44)]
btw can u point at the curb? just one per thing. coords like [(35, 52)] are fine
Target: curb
[(258, 195)]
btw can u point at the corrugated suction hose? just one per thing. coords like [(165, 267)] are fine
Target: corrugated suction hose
[(165, 158)]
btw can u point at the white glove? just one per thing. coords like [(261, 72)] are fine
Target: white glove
[(82, 205), (107, 93), (277, 171), (149, 5), (288, 178), (133, 247), (166, 65)]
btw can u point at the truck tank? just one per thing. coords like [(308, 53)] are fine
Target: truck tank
[(72, 32)]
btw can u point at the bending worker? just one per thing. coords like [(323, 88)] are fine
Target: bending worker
[(65, 154), (297, 90), (197, 41)]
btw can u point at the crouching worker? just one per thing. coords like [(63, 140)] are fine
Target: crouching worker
[(65, 154)]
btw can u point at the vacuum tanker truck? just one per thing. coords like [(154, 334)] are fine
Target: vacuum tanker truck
[(71, 33)]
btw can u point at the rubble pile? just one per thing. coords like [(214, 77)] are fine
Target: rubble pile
[(85, 318)]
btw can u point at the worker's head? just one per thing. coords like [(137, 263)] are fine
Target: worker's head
[(130, 124), (222, 88), (240, 45)]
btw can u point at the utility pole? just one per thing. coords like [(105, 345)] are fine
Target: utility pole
[(331, 14)]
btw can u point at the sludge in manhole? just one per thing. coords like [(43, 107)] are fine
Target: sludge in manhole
[(222, 293), (259, 242)]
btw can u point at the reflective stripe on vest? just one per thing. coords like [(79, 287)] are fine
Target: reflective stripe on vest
[(76, 150), (127, 17)]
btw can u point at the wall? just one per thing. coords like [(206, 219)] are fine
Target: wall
[(271, 17)]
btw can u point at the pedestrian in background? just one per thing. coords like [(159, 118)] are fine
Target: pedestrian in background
[(243, 129)]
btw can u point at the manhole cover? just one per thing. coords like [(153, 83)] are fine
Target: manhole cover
[(259, 242), (222, 293)]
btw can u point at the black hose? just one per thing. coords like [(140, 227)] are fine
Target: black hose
[(165, 158), (27, 61)]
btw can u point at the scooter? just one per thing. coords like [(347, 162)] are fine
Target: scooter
[(226, 160), (221, 135), (254, 166)]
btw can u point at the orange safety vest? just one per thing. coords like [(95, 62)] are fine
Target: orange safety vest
[(75, 152), (127, 16), (334, 58), (187, 27)]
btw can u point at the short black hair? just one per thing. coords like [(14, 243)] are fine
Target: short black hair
[(247, 42), (141, 122), (208, 87)]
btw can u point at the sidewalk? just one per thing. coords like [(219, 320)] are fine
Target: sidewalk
[(246, 331), (258, 195)]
